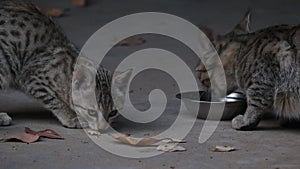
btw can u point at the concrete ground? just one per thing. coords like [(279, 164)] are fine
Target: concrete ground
[(270, 146)]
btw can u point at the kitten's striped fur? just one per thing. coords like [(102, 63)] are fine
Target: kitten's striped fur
[(37, 58), (266, 66)]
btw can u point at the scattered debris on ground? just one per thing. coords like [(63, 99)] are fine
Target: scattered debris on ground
[(144, 141), (224, 149), (93, 132), (170, 148), (137, 142), (5, 120), (127, 134), (167, 144)]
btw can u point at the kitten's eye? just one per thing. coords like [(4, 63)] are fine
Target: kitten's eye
[(92, 113), (113, 113)]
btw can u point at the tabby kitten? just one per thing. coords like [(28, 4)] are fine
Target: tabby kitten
[(37, 58), (265, 65)]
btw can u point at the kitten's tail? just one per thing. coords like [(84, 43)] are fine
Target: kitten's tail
[(287, 105)]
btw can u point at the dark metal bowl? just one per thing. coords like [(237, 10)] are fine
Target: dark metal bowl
[(235, 104)]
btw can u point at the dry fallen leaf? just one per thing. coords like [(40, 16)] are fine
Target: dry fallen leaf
[(31, 136), (224, 149), (24, 137), (170, 148), (143, 141), (127, 134), (44, 133), (53, 12), (128, 140), (93, 132), (132, 41), (169, 145), (79, 3)]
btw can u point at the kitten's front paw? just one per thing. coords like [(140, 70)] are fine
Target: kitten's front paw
[(240, 123), (5, 120), (73, 123)]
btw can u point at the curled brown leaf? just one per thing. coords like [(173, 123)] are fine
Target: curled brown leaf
[(24, 137), (44, 133)]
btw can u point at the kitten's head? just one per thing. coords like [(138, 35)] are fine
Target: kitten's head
[(99, 115), (227, 48)]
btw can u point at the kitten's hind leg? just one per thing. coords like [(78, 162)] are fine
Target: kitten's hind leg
[(259, 102), (5, 120)]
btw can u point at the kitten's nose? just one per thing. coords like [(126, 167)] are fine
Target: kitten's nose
[(102, 125)]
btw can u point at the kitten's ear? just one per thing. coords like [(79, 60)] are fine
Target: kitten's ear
[(84, 75), (120, 82), (210, 33), (244, 26), (83, 78), (83, 87)]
